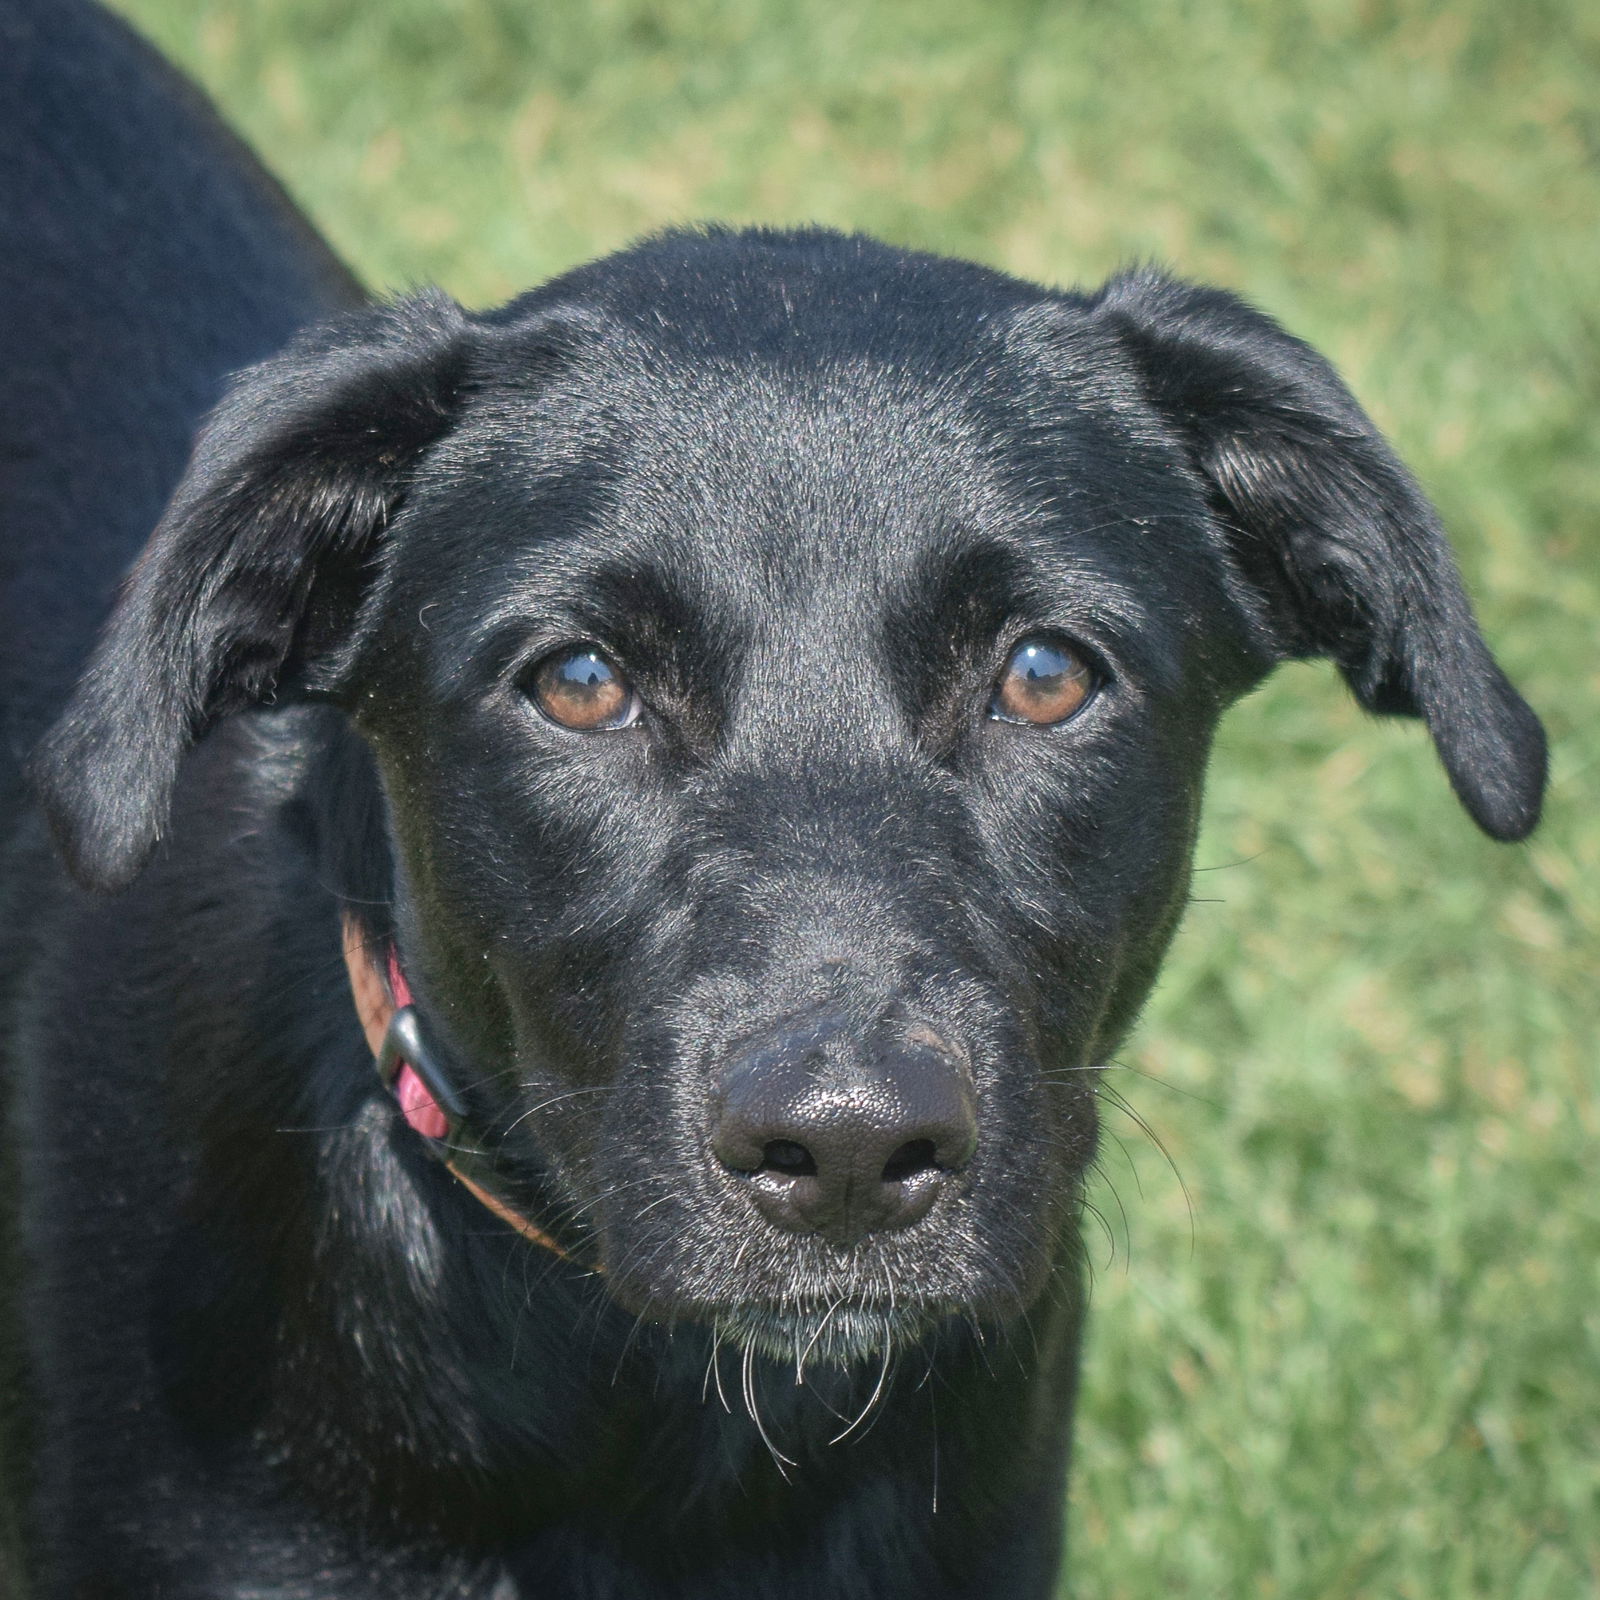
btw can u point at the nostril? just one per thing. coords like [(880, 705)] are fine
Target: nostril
[(789, 1158), (913, 1157)]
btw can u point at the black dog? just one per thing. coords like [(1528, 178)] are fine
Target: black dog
[(740, 710)]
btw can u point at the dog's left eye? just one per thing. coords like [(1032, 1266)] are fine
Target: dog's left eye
[(580, 688), (1045, 681)]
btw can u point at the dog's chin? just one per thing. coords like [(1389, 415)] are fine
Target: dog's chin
[(838, 1335), (811, 1306)]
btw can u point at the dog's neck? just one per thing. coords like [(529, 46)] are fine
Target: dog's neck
[(380, 999)]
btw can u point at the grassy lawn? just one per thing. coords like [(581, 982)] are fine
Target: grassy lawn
[(1346, 1340)]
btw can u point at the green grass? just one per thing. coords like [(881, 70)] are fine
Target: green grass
[(1361, 1355)]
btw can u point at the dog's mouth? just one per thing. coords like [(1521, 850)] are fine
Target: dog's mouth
[(808, 1335), (708, 1258)]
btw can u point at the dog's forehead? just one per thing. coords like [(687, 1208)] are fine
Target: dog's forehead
[(804, 441), (796, 480)]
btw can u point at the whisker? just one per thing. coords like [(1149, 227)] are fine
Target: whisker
[(1122, 1105), (817, 1333), (555, 1099), (716, 1367), (747, 1372), (872, 1399)]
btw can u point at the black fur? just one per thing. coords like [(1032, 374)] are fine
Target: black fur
[(809, 492)]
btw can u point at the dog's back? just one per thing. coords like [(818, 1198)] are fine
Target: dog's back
[(144, 255)]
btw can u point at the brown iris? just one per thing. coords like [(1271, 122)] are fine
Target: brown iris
[(1045, 681), (582, 689)]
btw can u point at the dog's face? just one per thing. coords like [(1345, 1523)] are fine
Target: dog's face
[(804, 756), (790, 665)]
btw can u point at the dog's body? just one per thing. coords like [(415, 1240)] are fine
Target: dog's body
[(772, 986)]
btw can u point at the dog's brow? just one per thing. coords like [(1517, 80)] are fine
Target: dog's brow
[(658, 624), (972, 590)]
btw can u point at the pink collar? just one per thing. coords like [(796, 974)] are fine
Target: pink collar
[(417, 1105), (381, 1006)]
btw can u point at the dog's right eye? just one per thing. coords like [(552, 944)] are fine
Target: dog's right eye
[(582, 689)]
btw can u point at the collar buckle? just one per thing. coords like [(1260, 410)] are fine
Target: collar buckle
[(413, 1075)]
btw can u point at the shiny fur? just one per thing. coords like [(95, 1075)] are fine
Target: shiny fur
[(808, 491)]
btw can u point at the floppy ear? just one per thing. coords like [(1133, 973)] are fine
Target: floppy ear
[(1333, 532), (253, 571)]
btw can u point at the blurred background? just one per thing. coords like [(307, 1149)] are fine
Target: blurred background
[(1346, 1335)]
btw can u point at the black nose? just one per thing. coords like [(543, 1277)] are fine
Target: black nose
[(842, 1132)]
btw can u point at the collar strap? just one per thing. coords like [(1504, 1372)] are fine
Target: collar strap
[(409, 1072)]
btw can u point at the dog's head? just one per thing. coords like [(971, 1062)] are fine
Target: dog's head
[(789, 664)]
